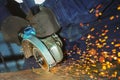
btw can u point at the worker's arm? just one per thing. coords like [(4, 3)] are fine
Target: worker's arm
[(36, 1), (29, 6)]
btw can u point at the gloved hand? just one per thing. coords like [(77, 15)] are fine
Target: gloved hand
[(11, 26), (45, 22)]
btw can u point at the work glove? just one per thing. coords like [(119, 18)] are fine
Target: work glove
[(11, 27)]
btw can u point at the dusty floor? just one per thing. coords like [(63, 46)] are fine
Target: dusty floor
[(36, 74), (68, 70)]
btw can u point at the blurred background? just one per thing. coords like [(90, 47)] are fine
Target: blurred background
[(101, 44), (11, 57)]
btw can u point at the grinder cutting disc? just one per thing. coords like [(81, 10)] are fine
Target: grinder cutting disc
[(40, 59), (41, 53)]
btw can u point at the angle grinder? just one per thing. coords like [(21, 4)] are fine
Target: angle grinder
[(37, 36), (47, 51)]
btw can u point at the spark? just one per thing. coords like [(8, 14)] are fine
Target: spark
[(100, 57), (118, 54), (112, 17), (118, 8)]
